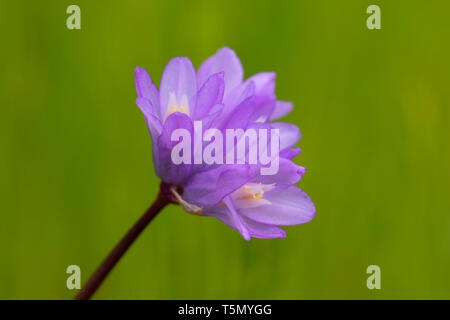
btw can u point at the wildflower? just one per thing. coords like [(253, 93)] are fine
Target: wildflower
[(217, 95), (238, 192)]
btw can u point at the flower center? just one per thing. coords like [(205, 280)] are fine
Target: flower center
[(251, 195), (173, 105)]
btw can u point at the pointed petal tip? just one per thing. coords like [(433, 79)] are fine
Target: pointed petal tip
[(139, 71), (282, 109), (301, 170), (268, 75)]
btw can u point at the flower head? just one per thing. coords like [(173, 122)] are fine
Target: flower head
[(238, 192)]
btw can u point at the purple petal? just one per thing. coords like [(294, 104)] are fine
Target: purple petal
[(262, 86), (213, 114), (167, 170), (235, 218), (209, 187), (178, 79), (240, 117), (282, 108), (148, 110), (237, 96), (209, 95), (254, 229), (146, 89), (154, 126), (265, 106), (226, 61), (290, 206), (222, 213), (288, 174), (264, 82), (262, 230), (290, 153), (289, 134)]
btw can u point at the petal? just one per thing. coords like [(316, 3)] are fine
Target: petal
[(154, 126), (178, 82), (235, 218), (209, 187), (288, 174), (214, 113), (262, 230), (239, 94), (265, 106), (263, 87), (282, 108), (209, 95), (153, 122), (219, 211), (290, 206), (222, 213), (226, 61), (264, 82), (290, 153), (167, 170), (146, 89), (240, 117), (289, 134), (254, 229)]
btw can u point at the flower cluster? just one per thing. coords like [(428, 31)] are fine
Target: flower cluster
[(217, 95)]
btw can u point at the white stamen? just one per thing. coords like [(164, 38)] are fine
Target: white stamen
[(251, 195), (188, 207)]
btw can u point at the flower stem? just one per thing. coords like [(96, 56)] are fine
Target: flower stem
[(97, 278)]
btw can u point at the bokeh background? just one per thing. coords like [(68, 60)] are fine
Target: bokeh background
[(76, 167)]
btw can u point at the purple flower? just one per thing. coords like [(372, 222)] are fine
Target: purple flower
[(237, 194)]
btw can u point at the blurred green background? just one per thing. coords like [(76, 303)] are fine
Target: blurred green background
[(76, 166)]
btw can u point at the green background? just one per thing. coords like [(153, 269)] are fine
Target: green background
[(76, 167)]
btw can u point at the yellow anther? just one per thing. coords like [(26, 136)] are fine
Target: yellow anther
[(257, 196), (251, 195)]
